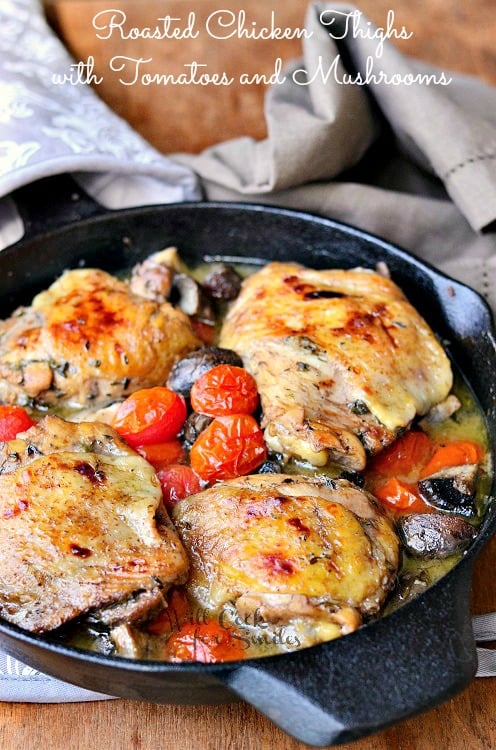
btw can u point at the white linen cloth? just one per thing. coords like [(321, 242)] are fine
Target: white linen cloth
[(47, 129)]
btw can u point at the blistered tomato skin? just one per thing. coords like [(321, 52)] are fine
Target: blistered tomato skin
[(13, 420), (177, 482), (160, 455), (454, 453), (225, 390), (401, 497), (150, 416), (231, 446), (206, 642), (405, 457)]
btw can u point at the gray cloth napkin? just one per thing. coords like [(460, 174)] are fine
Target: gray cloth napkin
[(47, 129), (414, 163)]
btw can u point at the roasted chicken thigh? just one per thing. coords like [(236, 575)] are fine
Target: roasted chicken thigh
[(82, 528), (88, 340), (342, 360), (290, 548)]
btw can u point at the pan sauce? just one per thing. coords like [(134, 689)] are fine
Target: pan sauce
[(255, 636)]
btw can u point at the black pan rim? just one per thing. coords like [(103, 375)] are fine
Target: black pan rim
[(163, 667), (277, 210)]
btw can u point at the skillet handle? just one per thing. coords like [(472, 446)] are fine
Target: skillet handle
[(411, 660), (52, 202)]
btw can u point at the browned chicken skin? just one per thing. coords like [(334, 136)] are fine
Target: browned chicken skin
[(82, 528), (89, 340), (291, 548), (342, 361)]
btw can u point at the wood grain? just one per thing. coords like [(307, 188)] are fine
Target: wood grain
[(454, 34)]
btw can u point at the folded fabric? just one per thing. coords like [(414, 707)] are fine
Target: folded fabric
[(395, 153), (22, 684), (47, 129), (485, 630)]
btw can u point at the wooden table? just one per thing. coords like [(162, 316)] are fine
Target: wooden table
[(452, 33)]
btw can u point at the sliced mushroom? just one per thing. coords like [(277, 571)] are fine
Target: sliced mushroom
[(194, 426), (189, 368), (189, 296), (434, 535), (408, 587), (223, 282), (270, 466), (441, 411), (451, 490), (129, 642), (152, 280), (135, 609), (169, 256)]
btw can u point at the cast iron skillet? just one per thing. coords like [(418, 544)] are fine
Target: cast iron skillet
[(411, 660)]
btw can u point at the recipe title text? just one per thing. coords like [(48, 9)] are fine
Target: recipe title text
[(330, 26)]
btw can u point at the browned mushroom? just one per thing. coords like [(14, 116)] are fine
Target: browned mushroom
[(434, 535), (451, 490), (223, 282), (189, 368)]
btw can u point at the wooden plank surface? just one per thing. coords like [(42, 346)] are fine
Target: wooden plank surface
[(455, 34), (467, 722)]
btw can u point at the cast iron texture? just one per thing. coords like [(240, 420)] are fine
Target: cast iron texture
[(410, 660)]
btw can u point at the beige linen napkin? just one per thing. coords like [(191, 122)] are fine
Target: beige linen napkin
[(414, 162)]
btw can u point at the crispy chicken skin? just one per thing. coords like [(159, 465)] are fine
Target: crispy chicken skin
[(89, 340), (342, 361), (82, 528), (290, 548)]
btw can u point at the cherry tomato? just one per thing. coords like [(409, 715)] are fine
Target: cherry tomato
[(223, 390), (229, 447), (405, 457), (149, 416), (457, 453), (177, 612), (401, 497), (206, 642), (163, 454), (177, 482), (13, 420)]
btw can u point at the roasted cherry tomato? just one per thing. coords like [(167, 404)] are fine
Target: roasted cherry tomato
[(170, 619), (405, 457), (224, 390), (205, 331), (177, 482), (163, 454), (401, 497), (150, 416), (229, 447), (13, 420), (206, 642), (457, 453)]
